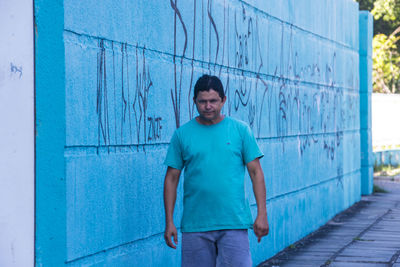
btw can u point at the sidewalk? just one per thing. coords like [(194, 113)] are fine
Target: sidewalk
[(365, 235)]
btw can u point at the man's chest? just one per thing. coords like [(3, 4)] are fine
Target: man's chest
[(201, 145)]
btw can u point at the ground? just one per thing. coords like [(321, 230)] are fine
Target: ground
[(367, 234)]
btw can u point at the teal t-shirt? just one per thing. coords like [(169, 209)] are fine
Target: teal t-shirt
[(214, 158)]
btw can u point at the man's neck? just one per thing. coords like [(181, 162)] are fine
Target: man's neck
[(203, 121)]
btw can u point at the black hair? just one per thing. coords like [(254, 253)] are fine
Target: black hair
[(207, 82)]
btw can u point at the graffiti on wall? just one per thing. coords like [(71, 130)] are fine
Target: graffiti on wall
[(288, 98), (122, 107), (16, 70), (313, 115)]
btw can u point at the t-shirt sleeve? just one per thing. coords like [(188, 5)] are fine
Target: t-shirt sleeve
[(174, 157), (250, 151)]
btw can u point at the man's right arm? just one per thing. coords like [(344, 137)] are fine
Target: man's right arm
[(170, 184)]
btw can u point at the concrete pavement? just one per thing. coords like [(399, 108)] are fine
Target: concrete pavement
[(365, 235)]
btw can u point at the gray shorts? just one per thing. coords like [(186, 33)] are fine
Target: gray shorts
[(216, 248)]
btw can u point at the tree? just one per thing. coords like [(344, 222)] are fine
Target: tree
[(386, 52), (388, 13), (386, 61)]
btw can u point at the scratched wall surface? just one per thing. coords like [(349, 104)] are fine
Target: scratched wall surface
[(290, 70)]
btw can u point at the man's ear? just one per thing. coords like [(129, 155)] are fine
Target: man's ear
[(223, 100)]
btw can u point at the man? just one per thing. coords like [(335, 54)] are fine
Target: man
[(214, 151)]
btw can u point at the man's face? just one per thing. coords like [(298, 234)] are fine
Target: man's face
[(209, 105)]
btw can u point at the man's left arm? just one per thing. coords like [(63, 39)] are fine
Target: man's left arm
[(261, 226)]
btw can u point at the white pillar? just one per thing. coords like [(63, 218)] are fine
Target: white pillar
[(16, 134)]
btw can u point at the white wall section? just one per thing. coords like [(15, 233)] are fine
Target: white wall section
[(16, 134)]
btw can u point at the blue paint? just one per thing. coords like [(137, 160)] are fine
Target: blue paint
[(365, 25), (50, 216), (291, 70), (388, 157)]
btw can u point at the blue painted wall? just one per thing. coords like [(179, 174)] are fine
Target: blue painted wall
[(50, 175), (290, 70), (366, 34), (387, 157)]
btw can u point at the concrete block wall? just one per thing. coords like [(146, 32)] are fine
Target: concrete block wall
[(290, 70), (387, 157), (366, 34), (50, 175)]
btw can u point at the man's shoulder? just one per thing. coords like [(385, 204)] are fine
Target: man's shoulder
[(187, 126), (238, 123)]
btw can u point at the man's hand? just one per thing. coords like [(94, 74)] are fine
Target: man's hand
[(170, 231), (261, 226), (170, 183)]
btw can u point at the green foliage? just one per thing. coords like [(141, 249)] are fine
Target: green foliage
[(386, 170), (378, 189), (386, 52), (388, 10), (386, 14), (365, 4), (386, 62)]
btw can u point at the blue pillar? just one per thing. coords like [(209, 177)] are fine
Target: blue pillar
[(365, 52), (50, 215)]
